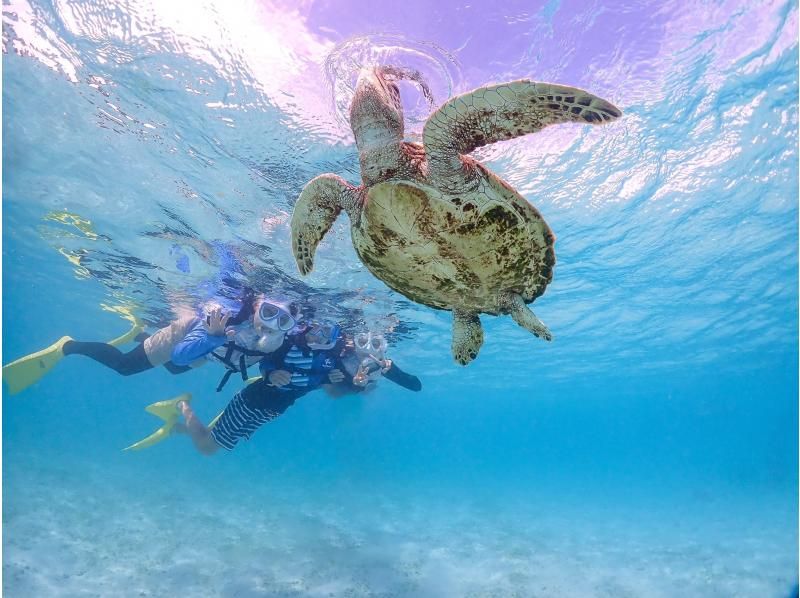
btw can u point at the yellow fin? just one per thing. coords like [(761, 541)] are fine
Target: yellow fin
[(154, 438), (20, 374), (126, 312), (167, 411)]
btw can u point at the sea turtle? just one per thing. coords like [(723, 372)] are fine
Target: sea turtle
[(433, 223)]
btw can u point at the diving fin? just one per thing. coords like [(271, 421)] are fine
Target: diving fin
[(154, 438), (127, 313), (129, 336), (20, 374), (167, 411)]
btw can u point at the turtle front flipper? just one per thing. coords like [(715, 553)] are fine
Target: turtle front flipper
[(496, 113), (467, 336), (523, 316), (320, 202)]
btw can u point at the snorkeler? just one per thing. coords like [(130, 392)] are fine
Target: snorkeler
[(234, 326), (310, 358), (237, 334), (239, 346), (305, 361), (364, 361)]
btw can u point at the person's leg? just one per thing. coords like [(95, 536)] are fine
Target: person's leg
[(126, 364), (249, 409), (200, 434)]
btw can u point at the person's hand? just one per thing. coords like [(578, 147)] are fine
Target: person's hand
[(386, 365), (361, 378), (280, 378), (216, 321), (335, 376)]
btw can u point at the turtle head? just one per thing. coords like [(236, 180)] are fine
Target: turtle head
[(376, 115)]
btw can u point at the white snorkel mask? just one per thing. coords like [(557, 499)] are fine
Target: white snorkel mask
[(272, 320), (274, 315), (370, 344)]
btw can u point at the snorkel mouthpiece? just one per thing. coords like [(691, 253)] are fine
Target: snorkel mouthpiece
[(269, 342)]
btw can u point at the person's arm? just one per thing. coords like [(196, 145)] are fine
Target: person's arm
[(273, 369), (196, 344), (340, 381), (404, 379), (268, 364)]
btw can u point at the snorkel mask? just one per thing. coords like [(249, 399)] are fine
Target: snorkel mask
[(275, 315), (322, 336), (369, 343), (272, 320)]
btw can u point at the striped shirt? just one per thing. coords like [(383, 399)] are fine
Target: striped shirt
[(300, 366)]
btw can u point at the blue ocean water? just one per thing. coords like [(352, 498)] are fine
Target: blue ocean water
[(650, 450)]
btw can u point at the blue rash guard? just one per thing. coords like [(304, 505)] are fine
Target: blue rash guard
[(196, 344), (309, 367), (225, 291)]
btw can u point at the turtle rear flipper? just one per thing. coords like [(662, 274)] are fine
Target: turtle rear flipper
[(523, 316), (497, 113), (467, 336), (320, 202)]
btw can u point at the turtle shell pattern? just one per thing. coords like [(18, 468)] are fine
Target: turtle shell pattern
[(455, 251)]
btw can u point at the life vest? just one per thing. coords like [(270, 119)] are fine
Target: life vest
[(237, 355)]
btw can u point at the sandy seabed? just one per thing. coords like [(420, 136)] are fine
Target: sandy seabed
[(95, 534)]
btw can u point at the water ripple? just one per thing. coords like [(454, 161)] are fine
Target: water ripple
[(167, 129)]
